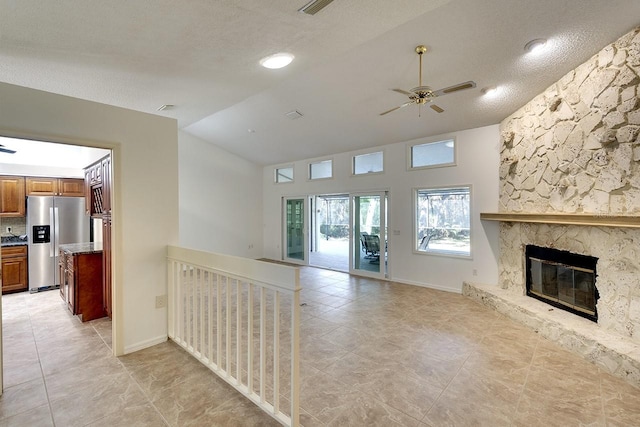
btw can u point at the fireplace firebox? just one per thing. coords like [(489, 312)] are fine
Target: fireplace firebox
[(563, 279)]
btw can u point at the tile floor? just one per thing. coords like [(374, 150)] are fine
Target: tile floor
[(373, 353)]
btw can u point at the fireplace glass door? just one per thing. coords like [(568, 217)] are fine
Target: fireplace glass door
[(552, 279)]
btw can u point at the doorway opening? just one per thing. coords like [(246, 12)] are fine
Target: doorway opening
[(43, 170), (329, 231)]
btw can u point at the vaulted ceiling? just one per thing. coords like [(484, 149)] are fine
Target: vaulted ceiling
[(202, 56)]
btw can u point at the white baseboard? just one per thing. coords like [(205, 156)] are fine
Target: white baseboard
[(428, 285), (145, 344)]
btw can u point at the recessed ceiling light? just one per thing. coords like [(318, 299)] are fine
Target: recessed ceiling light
[(535, 45), (164, 107), (489, 91), (277, 60)]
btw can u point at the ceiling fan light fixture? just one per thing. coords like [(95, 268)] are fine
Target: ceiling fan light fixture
[(421, 94), (277, 60), (535, 46)]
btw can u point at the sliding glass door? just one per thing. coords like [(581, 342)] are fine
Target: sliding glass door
[(368, 238)]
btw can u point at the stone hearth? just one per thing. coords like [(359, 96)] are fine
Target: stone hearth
[(609, 350)]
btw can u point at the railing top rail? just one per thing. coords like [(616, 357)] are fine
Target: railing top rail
[(281, 276)]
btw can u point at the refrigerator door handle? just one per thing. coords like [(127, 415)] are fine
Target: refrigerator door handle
[(56, 228), (51, 219)]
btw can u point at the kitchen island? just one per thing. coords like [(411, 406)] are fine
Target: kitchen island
[(80, 267)]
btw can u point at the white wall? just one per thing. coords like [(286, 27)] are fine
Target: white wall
[(49, 171), (145, 189), (477, 164), (220, 199)]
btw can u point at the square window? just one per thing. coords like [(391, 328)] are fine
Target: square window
[(440, 153), (368, 163), (284, 175), (443, 221), (320, 170)]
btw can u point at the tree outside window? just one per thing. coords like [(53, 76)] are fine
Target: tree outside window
[(443, 221)]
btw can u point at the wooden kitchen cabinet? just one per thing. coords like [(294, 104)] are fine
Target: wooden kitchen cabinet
[(81, 278), (12, 196), (70, 187), (106, 263), (106, 185), (97, 185), (14, 269)]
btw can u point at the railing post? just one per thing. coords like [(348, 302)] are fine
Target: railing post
[(295, 358)]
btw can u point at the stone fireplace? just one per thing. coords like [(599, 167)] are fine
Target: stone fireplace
[(574, 151), (562, 279)]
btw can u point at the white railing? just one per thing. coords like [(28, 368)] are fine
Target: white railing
[(240, 318)]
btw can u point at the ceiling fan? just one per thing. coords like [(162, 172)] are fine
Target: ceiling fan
[(424, 94), (6, 150)]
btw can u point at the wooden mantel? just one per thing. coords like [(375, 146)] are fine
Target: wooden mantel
[(598, 220)]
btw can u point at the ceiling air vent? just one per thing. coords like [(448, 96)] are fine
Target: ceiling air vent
[(314, 6), (295, 114)]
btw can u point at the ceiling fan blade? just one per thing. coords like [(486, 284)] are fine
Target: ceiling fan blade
[(404, 92), (437, 109), (460, 86), (6, 150), (397, 108)]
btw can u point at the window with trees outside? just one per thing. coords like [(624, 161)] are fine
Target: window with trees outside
[(443, 218)]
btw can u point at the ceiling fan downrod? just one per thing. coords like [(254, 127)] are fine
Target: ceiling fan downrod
[(420, 50)]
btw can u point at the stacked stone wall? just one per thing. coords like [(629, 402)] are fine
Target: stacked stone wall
[(575, 148)]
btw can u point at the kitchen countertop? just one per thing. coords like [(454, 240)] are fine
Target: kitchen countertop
[(82, 248), (14, 241)]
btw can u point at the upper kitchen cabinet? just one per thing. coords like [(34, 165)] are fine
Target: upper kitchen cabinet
[(70, 187), (12, 196), (97, 185)]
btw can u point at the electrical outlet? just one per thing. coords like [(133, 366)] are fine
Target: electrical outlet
[(161, 301), (475, 272), (8, 229)]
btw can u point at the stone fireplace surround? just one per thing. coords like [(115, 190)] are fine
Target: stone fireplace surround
[(575, 150)]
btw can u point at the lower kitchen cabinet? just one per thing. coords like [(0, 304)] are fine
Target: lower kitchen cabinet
[(14, 269), (81, 283)]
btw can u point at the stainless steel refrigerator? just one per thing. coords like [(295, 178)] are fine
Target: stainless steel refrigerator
[(52, 221)]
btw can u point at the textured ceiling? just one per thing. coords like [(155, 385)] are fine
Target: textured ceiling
[(202, 56)]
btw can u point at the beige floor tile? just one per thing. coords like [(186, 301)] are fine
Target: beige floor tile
[(235, 412), (621, 402), (368, 411), (472, 400), (36, 417), (391, 354), (22, 397), (114, 394), (143, 415), (183, 403)]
